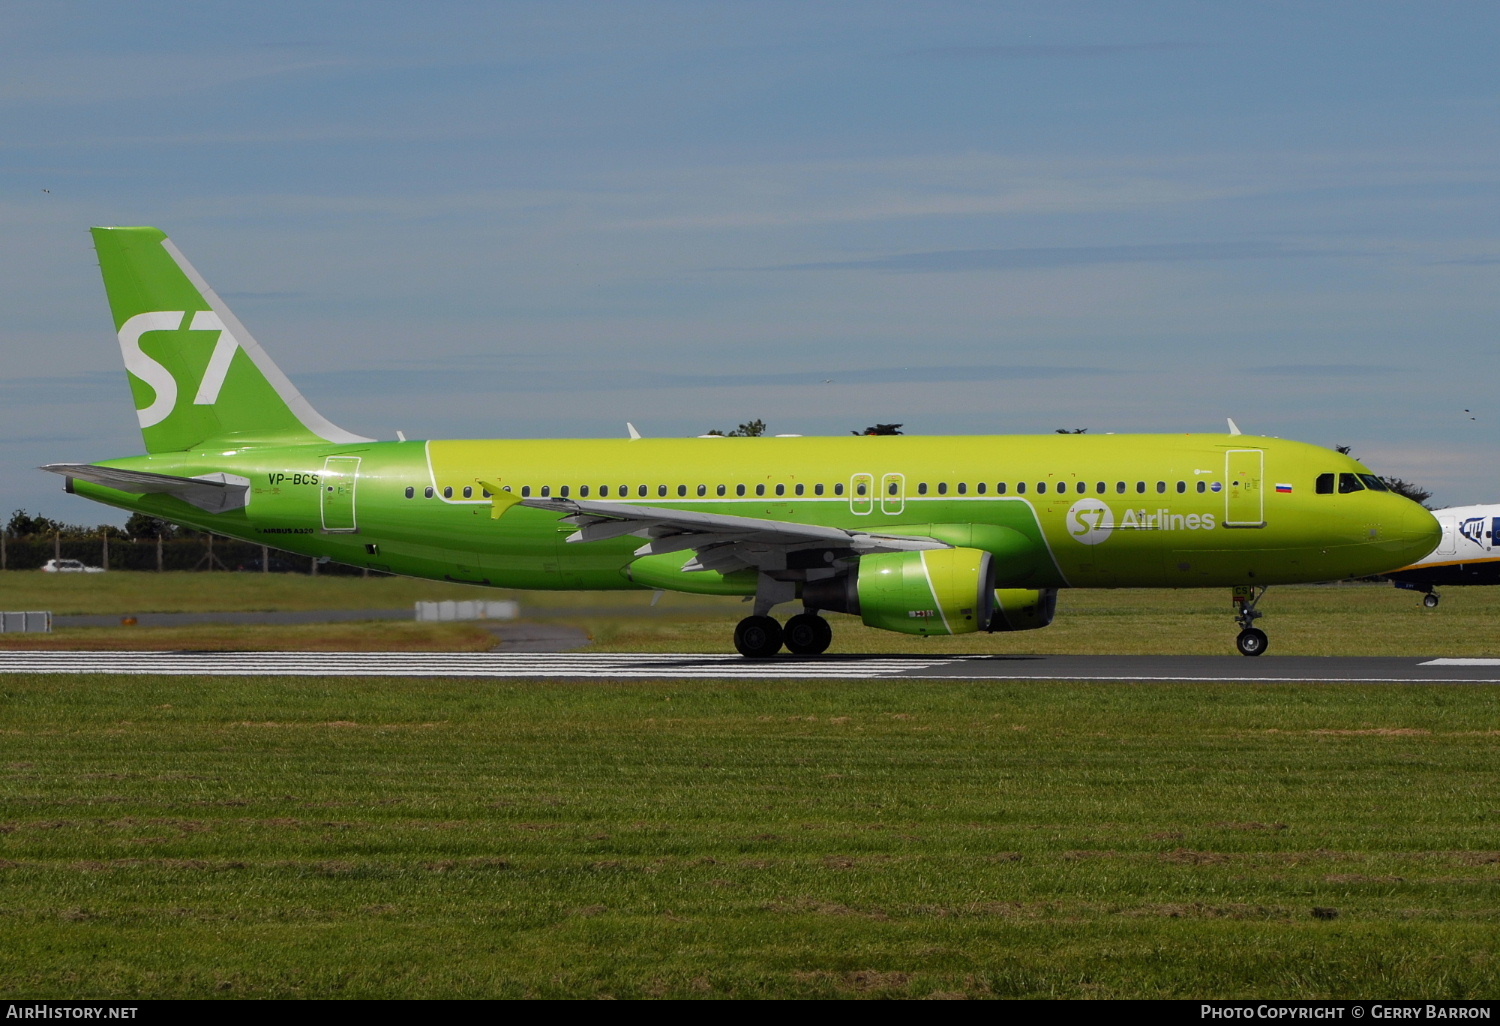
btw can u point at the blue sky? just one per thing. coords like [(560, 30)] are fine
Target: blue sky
[(546, 219)]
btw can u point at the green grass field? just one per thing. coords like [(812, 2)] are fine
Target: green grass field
[(397, 838)]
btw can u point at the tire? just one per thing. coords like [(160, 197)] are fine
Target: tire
[(808, 634), (758, 637), (1430, 600), (1251, 642)]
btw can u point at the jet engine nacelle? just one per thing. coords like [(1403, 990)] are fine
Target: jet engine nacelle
[(1020, 609), (935, 591)]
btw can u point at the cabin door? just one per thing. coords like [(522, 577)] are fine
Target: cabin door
[(340, 474), (1244, 492)]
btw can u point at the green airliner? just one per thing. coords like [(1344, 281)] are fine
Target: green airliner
[(921, 535)]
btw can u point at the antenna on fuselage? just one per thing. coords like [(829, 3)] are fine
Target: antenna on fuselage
[(1234, 429), (634, 434)]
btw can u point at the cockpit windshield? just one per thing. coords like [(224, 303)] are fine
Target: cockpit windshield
[(1374, 483), (1350, 483)]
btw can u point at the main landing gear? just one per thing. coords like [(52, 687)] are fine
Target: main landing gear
[(760, 637), (1252, 640)]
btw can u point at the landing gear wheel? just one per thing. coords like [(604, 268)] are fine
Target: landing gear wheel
[(1251, 642), (758, 637), (1430, 600), (808, 634)]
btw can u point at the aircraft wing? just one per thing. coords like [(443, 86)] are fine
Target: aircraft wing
[(719, 542), (215, 493)]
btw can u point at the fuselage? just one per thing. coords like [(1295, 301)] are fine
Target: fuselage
[(1099, 511)]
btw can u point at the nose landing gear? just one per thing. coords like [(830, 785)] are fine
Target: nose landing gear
[(1252, 641)]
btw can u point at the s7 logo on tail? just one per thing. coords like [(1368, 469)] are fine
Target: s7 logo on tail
[(158, 376)]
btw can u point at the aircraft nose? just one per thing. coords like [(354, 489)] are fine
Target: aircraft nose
[(1417, 531)]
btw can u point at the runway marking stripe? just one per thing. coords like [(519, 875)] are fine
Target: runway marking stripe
[(1461, 662)]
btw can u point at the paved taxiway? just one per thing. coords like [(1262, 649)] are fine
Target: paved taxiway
[(566, 666)]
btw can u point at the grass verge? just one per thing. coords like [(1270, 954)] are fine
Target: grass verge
[(400, 838)]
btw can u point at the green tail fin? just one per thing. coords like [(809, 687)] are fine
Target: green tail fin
[(197, 375)]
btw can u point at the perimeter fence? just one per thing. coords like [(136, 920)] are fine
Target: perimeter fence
[(200, 552)]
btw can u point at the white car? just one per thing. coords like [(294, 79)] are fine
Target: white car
[(69, 566)]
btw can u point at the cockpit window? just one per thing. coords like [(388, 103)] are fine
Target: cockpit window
[(1325, 484), (1374, 483), (1350, 483)]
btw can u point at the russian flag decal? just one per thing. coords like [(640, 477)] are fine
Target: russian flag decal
[(1285, 489)]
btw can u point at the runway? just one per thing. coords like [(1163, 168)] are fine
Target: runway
[(570, 666)]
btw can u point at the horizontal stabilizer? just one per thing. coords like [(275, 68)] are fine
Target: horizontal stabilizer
[(215, 493)]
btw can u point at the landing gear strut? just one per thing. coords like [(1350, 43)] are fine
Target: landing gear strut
[(1252, 640)]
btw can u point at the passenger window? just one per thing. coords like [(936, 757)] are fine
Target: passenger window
[(468, 491), (979, 488), (760, 489), (526, 491), (721, 490), (1374, 483), (942, 487), (818, 489), (410, 491), (781, 489), (485, 492), (682, 491), (1119, 487), (861, 488), (838, 488), (1062, 486), (1000, 488), (1350, 483), (661, 491), (583, 491), (1041, 487), (962, 489), (1140, 488), (1202, 487), (563, 491), (448, 491), (801, 489), (643, 491), (739, 489), (1100, 488), (703, 489), (1324, 485), (1020, 487), (922, 488), (546, 491), (604, 491), (1181, 487), (1161, 487)]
